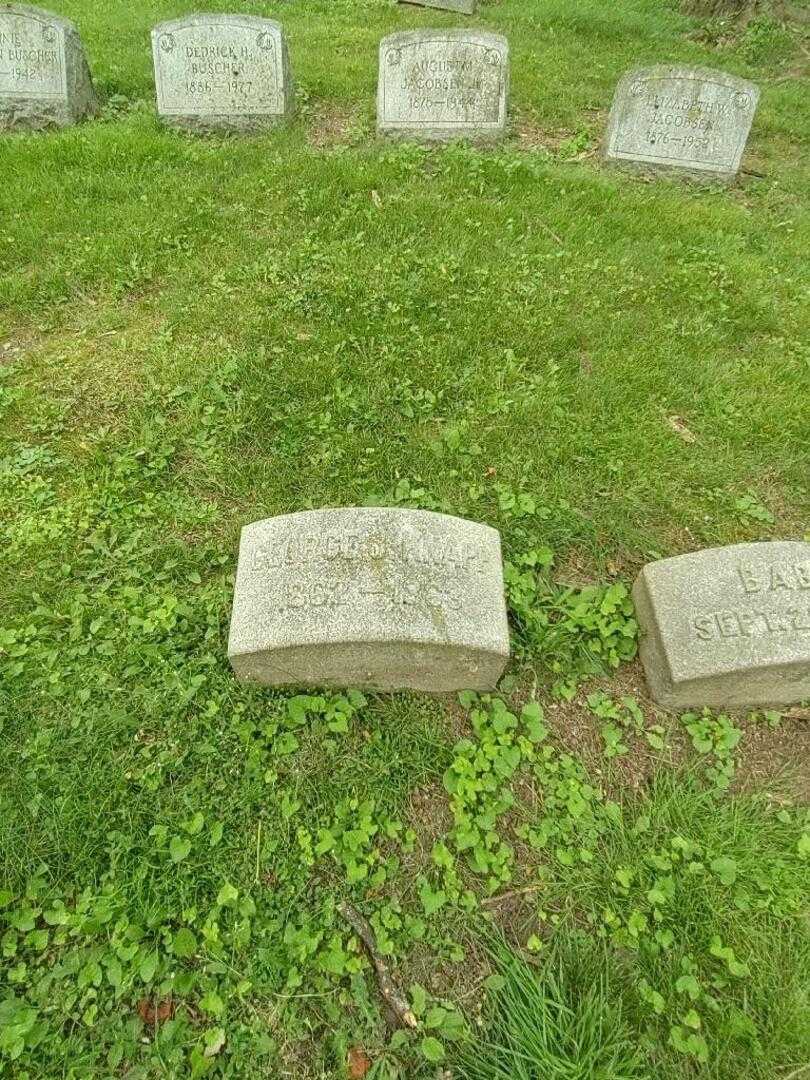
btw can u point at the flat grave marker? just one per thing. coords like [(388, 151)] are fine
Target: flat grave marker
[(44, 76), (683, 118), (463, 7), (438, 85), (222, 73), (727, 626), (384, 598)]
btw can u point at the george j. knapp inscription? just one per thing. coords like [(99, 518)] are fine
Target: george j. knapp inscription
[(685, 118), (375, 597), (222, 73), (727, 626), (44, 77), (436, 85)]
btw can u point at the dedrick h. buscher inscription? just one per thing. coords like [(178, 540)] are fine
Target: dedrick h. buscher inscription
[(222, 73), (437, 85), (727, 626), (685, 118), (44, 77), (372, 597)]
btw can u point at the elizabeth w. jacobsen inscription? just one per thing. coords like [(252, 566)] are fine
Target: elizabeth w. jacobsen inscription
[(727, 626), (222, 72), (377, 597), (44, 76), (685, 118), (437, 85)]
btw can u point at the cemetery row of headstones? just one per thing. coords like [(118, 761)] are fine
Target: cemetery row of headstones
[(232, 73), (389, 598)]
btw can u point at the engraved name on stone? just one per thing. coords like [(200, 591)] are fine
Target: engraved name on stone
[(728, 626), (378, 597), (44, 77), (438, 85), (222, 72), (686, 118)]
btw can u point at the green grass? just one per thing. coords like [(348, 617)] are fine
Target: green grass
[(197, 333)]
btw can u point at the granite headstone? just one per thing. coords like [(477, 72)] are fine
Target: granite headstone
[(437, 85), (384, 598), (222, 73), (44, 76), (463, 7), (727, 626), (684, 118)]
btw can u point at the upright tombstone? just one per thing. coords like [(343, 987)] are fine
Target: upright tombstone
[(437, 85), (464, 7), (727, 626), (682, 118), (374, 597), (44, 77), (220, 73)]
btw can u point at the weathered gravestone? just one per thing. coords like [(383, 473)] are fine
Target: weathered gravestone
[(464, 7), (437, 85), (374, 597), (44, 77), (684, 118), (222, 73), (727, 626)]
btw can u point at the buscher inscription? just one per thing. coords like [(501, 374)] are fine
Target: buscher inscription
[(31, 62), (223, 69)]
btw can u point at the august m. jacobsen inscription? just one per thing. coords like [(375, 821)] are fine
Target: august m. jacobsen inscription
[(727, 626), (437, 85), (222, 73), (686, 118), (374, 597), (44, 77)]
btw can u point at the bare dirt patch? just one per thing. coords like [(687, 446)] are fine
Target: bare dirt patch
[(334, 125), (776, 760)]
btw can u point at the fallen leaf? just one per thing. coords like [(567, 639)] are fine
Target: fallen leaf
[(678, 425), (798, 714), (152, 1013), (359, 1063)]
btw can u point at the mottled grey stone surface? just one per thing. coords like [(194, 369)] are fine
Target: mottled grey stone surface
[(727, 626), (44, 77), (465, 7), (370, 597), (222, 73), (684, 118), (437, 85)]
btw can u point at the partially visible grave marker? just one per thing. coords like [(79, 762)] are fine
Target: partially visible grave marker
[(464, 7), (44, 77), (222, 73), (727, 626), (685, 118), (373, 597), (437, 85)]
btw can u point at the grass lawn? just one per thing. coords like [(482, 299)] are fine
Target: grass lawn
[(196, 333)]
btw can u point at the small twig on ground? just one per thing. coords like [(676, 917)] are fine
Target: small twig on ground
[(491, 901), (549, 230), (394, 999)]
